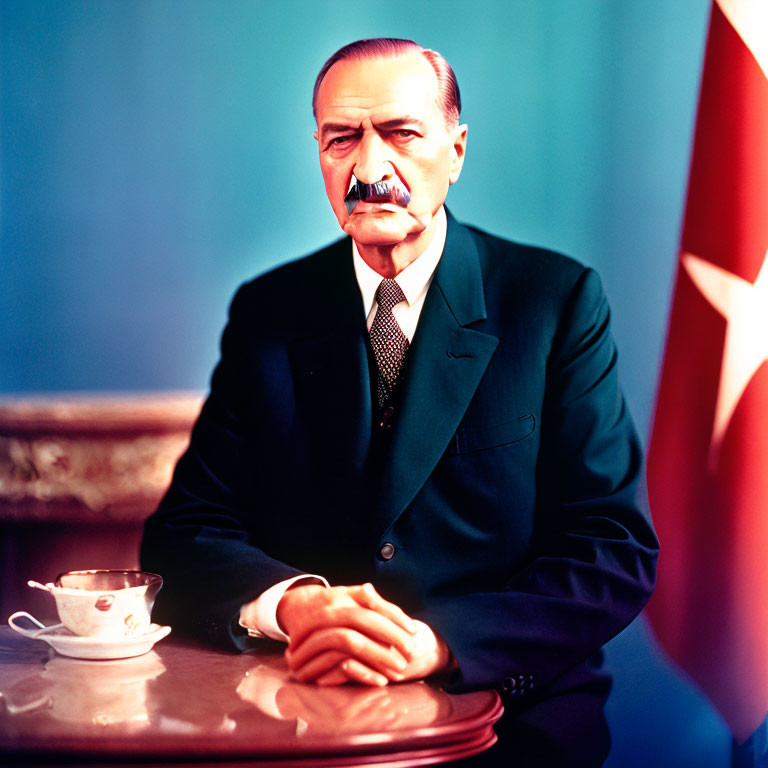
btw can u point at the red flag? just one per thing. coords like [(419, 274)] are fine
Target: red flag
[(708, 456)]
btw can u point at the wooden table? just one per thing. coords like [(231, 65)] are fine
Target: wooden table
[(187, 701)]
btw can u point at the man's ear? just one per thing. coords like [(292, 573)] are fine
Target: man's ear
[(458, 151)]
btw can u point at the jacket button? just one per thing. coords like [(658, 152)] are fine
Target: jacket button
[(387, 551)]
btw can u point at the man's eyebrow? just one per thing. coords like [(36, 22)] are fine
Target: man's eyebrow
[(386, 125), (399, 122), (338, 128)]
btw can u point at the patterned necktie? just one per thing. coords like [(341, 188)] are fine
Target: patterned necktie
[(388, 341)]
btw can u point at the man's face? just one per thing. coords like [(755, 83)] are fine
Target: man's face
[(379, 119)]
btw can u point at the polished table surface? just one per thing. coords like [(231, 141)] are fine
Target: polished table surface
[(188, 701)]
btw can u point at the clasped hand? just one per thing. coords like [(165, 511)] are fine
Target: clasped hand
[(352, 634)]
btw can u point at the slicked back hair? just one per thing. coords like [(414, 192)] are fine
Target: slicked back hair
[(448, 96)]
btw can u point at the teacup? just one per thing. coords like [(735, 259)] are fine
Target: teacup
[(106, 604)]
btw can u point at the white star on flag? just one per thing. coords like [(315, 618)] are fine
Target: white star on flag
[(744, 306)]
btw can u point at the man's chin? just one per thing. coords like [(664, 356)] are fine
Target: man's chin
[(380, 228)]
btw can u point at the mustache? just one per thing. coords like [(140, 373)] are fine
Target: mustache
[(391, 191)]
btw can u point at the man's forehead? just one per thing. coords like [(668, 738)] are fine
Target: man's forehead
[(385, 115), (390, 88)]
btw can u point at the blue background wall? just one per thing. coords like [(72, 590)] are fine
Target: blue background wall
[(156, 153)]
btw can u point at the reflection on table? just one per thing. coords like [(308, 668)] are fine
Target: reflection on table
[(184, 700)]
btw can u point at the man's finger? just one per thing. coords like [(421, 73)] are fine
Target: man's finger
[(372, 624), (359, 673), (336, 676), (384, 659), (349, 642), (309, 607), (367, 596), (318, 666)]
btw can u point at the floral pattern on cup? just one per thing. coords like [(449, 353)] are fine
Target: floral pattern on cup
[(104, 602)]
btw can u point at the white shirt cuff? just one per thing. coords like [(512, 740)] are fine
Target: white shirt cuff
[(259, 616)]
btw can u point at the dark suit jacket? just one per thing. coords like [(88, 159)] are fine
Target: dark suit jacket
[(509, 489)]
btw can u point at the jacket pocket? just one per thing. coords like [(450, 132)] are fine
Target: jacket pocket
[(470, 439)]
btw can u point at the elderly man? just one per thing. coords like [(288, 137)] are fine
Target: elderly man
[(428, 418)]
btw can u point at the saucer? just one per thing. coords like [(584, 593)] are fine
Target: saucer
[(68, 644)]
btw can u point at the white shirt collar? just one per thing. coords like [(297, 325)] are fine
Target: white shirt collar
[(414, 279)]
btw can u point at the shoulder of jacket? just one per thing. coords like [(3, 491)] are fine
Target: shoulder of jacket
[(298, 275), (540, 269)]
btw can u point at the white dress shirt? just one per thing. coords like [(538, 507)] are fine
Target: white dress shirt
[(414, 281), (259, 617)]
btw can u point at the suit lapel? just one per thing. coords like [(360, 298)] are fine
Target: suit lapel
[(446, 363), (330, 369)]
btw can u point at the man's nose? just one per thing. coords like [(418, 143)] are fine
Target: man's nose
[(372, 164)]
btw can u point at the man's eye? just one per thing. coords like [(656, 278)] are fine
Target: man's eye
[(338, 141), (403, 133)]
